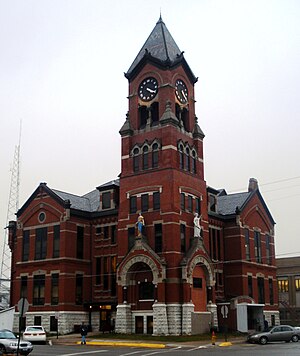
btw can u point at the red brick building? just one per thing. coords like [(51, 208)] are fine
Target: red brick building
[(86, 258)]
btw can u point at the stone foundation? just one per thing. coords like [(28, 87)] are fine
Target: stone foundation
[(123, 319), (160, 319), (187, 310), (174, 318)]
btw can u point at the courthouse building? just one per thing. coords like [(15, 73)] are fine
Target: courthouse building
[(85, 258)]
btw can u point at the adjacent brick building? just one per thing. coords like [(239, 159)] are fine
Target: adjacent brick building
[(83, 258)]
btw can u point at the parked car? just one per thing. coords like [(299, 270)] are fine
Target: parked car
[(9, 344), (277, 333), (35, 333)]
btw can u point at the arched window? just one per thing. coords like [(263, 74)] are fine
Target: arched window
[(181, 157), (143, 116), (194, 161), (145, 157), (185, 118), (155, 155), (187, 159), (136, 160), (154, 114)]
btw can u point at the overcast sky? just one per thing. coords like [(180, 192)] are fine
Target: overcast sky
[(61, 73)]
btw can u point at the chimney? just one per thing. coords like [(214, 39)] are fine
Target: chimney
[(253, 185)]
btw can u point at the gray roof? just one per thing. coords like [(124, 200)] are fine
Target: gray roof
[(227, 204), (160, 44), (110, 183), (88, 202)]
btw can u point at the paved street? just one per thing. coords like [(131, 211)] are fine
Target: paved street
[(276, 349)]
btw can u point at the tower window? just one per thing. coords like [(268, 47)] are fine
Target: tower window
[(198, 205), (158, 237), (143, 116), (182, 238), (155, 155), (154, 114), (145, 157), (145, 202), (136, 160), (133, 205), (194, 161), (156, 201), (182, 201), (181, 157), (190, 203), (187, 159), (184, 118)]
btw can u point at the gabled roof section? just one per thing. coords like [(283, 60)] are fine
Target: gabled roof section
[(227, 204), (89, 202), (160, 49), (109, 185)]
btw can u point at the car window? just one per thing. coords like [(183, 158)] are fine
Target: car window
[(7, 335), (34, 328), (286, 328), (277, 329)]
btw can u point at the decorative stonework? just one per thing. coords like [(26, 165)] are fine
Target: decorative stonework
[(187, 310), (160, 319), (212, 308), (174, 318), (123, 319), (188, 270)]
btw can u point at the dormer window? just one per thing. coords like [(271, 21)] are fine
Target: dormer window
[(106, 200), (212, 203)]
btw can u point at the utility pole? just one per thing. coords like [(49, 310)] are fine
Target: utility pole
[(13, 206)]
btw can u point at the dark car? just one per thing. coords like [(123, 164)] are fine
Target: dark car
[(277, 333), (9, 344)]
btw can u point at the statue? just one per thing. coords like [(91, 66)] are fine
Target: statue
[(197, 226), (140, 223)]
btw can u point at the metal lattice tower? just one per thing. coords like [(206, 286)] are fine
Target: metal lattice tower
[(13, 206)]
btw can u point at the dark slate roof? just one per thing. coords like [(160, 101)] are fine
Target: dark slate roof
[(160, 44), (161, 49), (227, 204), (109, 185), (89, 202)]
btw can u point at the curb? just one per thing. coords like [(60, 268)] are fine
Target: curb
[(128, 344)]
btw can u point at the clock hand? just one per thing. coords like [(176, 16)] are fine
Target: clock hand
[(183, 94), (150, 90)]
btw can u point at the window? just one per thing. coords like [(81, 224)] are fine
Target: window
[(181, 157), (145, 157), (133, 205), (146, 291), (197, 282), (37, 320), (145, 202), (143, 116), (131, 237), (54, 288), (190, 203), (80, 235), (113, 234), (105, 273), (283, 285), (158, 237), (182, 237), (113, 275), (38, 290), (79, 289), (40, 243), (155, 155), (297, 283), (106, 200), (215, 243), (25, 250), (187, 159), (194, 161), (257, 246), (98, 270), (271, 291), (198, 205), (247, 245), (261, 290), (136, 160), (250, 287), (53, 323), (154, 114), (268, 250), (182, 201), (156, 200), (106, 232), (56, 241), (212, 202), (23, 293), (98, 230)]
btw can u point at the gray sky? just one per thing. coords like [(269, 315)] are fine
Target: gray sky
[(61, 72)]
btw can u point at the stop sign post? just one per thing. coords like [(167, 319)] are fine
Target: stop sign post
[(23, 306)]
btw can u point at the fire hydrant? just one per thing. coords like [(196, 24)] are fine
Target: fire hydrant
[(213, 338)]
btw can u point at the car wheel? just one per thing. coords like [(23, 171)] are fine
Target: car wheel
[(263, 340), (295, 338), (2, 349)]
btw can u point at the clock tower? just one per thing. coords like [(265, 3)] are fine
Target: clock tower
[(164, 273)]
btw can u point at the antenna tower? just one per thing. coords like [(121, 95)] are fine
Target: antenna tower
[(13, 206)]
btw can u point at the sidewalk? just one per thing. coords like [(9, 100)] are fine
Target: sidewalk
[(72, 339)]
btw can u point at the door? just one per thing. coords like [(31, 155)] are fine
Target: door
[(139, 325)]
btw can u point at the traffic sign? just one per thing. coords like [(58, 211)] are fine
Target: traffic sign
[(23, 306), (224, 311)]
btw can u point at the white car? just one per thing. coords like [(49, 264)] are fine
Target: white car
[(35, 333)]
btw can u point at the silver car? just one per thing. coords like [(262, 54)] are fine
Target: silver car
[(9, 344), (277, 333)]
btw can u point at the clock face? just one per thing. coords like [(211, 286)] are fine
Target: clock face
[(181, 91), (148, 89)]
